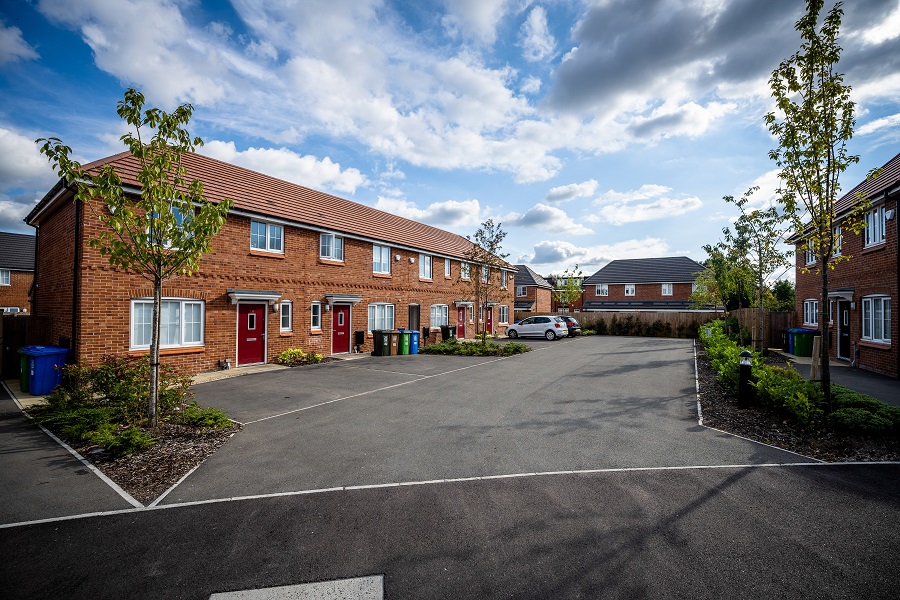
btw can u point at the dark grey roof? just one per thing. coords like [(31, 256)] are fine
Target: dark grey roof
[(16, 251), (886, 184), (523, 304), (526, 276), (671, 269)]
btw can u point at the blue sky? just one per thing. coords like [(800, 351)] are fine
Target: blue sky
[(591, 130)]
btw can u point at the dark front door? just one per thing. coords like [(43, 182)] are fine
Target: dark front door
[(843, 330), (489, 320), (461, 322), (251, 341), (340, 329), (414, 317)]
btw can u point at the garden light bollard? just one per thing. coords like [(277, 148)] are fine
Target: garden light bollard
[(745, 392)]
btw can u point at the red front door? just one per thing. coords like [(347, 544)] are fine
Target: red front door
[(340, 329), (461, 322), (489, 320), (251, 335)]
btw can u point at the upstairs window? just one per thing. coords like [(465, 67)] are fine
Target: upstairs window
[(381, 259), (603, 289), (446, 267), (485, 274), (810, 256), (875, 225), (629, 289), (424, 266), (5, 277), (504, 280), (521, 292), (331, 247), (464, 269), (667, 289), (266, 237), (836, 240)]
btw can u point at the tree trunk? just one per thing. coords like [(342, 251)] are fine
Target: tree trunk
[(825, 333), (154, 354)]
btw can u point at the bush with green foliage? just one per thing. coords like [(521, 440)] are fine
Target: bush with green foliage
[(294, 357), (857, 413), (462, 348), (106, 404)]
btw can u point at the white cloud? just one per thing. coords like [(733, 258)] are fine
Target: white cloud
[(619, 208), (12, 46), (559, 255), (547, 218), (536, 40), (21, 161), (287, 165), (530, 85), (642, 193), (474, 18), (564, 193), (887, 122), (452, 213)]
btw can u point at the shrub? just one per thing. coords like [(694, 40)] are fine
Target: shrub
[(294, 357), (454, 347), (195, 416), (858, 421)]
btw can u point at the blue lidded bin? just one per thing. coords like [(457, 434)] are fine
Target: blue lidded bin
[(44, 368), (414, 341)]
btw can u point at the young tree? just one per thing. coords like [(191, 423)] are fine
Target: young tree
[(813, 124), (783, 292), (567, 287), (163, 232), (761, 234), (486, 266)]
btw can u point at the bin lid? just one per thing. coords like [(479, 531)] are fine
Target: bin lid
[(43, 350)]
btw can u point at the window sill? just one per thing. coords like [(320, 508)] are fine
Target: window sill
[(426, 279), (285, 334), (315, 332), (170, 351), (267, 253), (331, 261), (382, 275), (874, 247), (875, 345)]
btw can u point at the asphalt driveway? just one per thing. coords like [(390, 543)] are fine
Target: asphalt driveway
[(571, 405)]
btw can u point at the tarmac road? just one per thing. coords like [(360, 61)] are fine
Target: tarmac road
[(580, 472)]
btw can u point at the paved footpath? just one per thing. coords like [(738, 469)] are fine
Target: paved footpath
[(575, 471)]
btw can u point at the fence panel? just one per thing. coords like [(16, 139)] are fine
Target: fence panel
[(16, 332), (774, 325)]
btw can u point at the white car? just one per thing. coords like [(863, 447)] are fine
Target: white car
[(545, 327)]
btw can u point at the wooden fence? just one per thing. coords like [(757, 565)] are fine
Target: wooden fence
[(655, 324), (16, 332), (774, 325)]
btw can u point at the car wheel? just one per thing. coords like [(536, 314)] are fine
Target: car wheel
[(512, 334), (550, 335)]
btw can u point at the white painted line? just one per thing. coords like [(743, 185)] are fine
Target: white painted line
[(174, 485), (697, 386), (396, 385), (13, 396), (768, 445), (486, 478)]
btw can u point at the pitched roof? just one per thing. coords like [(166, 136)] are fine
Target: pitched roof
[(16, 251), (886, 184), (671, 269), (267, 196), (525, 276)]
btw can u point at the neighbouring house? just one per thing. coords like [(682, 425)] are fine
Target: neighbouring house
[(557, 305), (652, 284), (862, 291), (291, 268), (533, 292), (16, 272)]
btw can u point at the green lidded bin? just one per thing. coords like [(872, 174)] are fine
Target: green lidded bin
[(404, 342), (803, 341)]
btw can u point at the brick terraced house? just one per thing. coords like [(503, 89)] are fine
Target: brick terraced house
[(291, 268), (862, 291), (533, 292), (642, 284), (16, 272)]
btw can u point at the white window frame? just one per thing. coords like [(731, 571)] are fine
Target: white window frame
[(438, 315), (632, 287), (810, 256), (504, 279), (667, 289), (331, 247), (876, 319), (425, 266), (5, 277), (272, 234), (286, 310), (521, 291), (811, 312), (503, 314), (837, 240), (465, 270), (447, 271), (485, 274), (380, 316), (602, 289), (875, 226), (381, 259), (182, 330), (315, 316), (694, 286)]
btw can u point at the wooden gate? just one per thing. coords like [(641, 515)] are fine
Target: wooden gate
[(16, 332)]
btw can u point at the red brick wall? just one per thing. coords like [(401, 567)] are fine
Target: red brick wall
[(16, 293), (642, 291), (54, 269), (869, 271), (298, 274), (542, 298)]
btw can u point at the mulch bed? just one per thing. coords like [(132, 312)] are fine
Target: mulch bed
[(720, 411)]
